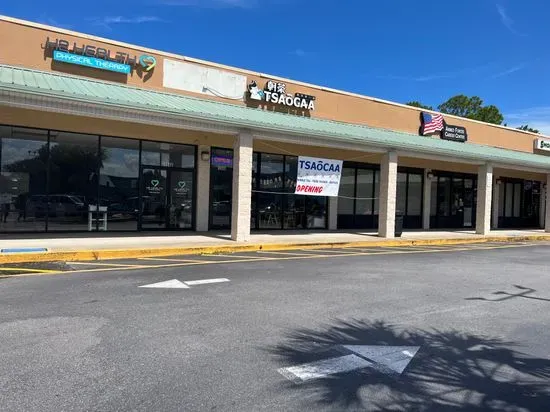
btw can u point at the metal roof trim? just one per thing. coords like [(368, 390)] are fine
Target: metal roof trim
[(244, 117)]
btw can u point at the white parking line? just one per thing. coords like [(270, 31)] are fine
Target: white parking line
[(339, 251), (239, 256), (102, 264), (272, 252), (205, 281)]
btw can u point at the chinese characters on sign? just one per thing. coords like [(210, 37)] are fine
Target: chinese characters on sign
[(275, 92), (97, 57)]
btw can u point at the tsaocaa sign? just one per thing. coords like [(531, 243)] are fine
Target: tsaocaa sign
[(318, 177), (542, 144), (275, 92), (434, 123)]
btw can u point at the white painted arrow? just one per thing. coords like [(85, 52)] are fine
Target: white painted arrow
[(395, 358), (168, 284), (176, 284), (386, 359)]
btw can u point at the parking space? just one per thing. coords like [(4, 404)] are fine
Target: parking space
[(45, 268)]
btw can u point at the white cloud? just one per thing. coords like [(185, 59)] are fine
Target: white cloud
[(536, 117), (510, 70), (507, 21), (108, 21), (437, 76), (47, 20)]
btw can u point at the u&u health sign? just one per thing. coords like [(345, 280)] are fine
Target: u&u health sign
[(318, 177)]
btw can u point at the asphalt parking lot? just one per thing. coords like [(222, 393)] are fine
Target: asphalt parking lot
[(49, 268), (454, 328)]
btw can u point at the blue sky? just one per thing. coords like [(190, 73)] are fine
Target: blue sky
[(398, 50)]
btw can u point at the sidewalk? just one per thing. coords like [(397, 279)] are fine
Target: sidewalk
[(78, 246)]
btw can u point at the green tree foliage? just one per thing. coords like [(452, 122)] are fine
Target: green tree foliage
[(526, 128), (416, 103), (471, 108), (468, 107)]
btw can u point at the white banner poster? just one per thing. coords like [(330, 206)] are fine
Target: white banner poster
[(318, 177)]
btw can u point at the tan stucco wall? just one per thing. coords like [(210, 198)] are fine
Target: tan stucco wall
[(79, 124), (22, 46)]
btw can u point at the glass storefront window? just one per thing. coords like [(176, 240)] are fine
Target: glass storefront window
[(50, 180), (414, 197), (253, 214), (509, 201), (501, 199), (271, 180), (294, 214), (364, 191), (346, 192), (316, 211), (221, 188), (75, 160), (433, 197), (356, 201), (167, 155), (118, 182), (444, 196), (376, 192), (23, 179), (401, 203), (517, 199)]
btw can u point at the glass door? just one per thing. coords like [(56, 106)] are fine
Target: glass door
[(180, 199), (154, 198), (221, 188), (166, 198), (457, 202)]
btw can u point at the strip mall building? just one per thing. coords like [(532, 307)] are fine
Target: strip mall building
[(166, 142)]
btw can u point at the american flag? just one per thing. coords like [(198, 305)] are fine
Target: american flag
[(432, 123)]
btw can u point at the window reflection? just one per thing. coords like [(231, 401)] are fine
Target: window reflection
[(51, 180), (356, 202), (118, 182), (221, 188), (167, 155), (271, 180), (75, 160), (24, 159)]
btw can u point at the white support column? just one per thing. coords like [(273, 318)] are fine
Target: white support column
[(388, 194), (203, 190), (242, 187), (332, 213), (426, 201), (547, 207), (495, 203), (484, 195), (542, 207)]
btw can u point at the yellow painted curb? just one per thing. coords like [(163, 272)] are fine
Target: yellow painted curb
[(87, 255)]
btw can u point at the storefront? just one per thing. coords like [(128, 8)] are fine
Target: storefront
[(274, 204), (103, 135), (453, 200), (51, 180), (518, 203)]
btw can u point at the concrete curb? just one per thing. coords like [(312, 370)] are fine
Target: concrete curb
[(82, 255)]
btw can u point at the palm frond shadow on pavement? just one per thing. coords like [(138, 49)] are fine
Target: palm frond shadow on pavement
[(452, 371)]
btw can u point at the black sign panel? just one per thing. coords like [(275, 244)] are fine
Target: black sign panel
[(454, 133)]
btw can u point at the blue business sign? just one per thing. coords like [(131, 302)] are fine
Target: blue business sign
[(98, 57), (94, 62)]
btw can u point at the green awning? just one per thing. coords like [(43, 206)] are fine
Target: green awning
[(111, 94)]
